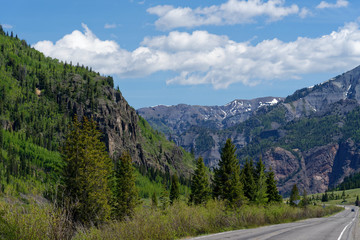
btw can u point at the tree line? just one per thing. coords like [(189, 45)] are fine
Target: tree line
[(96, 188), (251, 184)]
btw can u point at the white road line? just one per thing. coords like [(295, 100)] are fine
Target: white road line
[(345, 228)]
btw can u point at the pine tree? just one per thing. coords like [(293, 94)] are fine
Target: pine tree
[(343, 196), (164, 198), (154, 201), (357, 202), (88, 168), (227, 185), (294, 196), (325, 197), (174, 190), (200, 188), (125, 193), (261, 185), (272, 191), (305, 199), (247, 178)]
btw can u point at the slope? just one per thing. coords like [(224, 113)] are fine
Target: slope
[(39, 96)]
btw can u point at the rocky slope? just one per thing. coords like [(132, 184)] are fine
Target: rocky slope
[(187, 125), (311, 138)]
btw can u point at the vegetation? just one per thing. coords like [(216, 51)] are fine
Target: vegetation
[(200, 186), (178, 221), (81, 193), (294, 196), (227, 184), (125, 192), (88, 167)]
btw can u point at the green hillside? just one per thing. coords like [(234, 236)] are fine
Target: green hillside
[(38, 98)]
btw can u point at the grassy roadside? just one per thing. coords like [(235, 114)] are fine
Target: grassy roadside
[(36, 220)]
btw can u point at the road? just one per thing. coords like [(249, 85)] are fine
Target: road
[(344, 225)]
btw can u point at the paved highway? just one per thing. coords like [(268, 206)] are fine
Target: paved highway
[(341, 226)]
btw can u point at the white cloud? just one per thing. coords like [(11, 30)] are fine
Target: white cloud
[(304, 13), (108, 26), (7, 26), (231, 12), (204, 58), (338, 4)]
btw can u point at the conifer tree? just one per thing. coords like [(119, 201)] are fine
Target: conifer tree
[(200, 188), (294, 196), (164, 198), (154, 201), (343, 196), (272, 191), (305, 199), (325, 197), (125, 193), (174, 190), (261, 185), (357, 202), (247, 178), (227, 185), (88, 167)]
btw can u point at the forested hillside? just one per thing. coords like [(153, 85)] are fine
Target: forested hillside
[(39, 96)]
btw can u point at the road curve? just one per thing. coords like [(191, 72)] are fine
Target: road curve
[(341, 226)]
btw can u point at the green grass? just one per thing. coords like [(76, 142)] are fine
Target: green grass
[(350, 197)]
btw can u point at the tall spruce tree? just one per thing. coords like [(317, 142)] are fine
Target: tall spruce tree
[(174, 190), (247, 178), (272, 191), (227, 185), (305, 200), (125, 192), (261, 196), (294, 196), (154, 201), (200, 187), (88, 168)]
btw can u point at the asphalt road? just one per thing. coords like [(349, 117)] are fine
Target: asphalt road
[(344, 225)]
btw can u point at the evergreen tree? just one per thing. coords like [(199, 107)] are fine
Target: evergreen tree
[(305, 199), (200, 188), (325, 197), (272, 191), (357, 202), (125, 193), (343, 196), (174, 190), (154, 201), (227, 185), (88, 167), (294, 196), (247, 178), (164, 198), (261, 185)]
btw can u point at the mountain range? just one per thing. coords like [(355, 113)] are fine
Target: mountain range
[(310, 137)]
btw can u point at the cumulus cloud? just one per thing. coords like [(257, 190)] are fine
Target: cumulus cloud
[(338, 4), (231, 12), (203, 58)]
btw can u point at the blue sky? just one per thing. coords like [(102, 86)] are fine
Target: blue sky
[(195, 52)]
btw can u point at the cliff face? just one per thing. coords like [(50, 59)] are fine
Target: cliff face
[(120, 125)]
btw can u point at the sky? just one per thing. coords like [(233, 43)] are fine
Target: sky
[(195, 52)]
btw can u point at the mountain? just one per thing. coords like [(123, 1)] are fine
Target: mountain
[(311, 137), (184, 124), (39, 96)]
